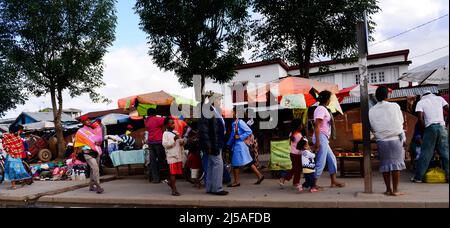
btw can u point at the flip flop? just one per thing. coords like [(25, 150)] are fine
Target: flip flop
[(234, 185), (176, 194), (260, 180), (339, 185)]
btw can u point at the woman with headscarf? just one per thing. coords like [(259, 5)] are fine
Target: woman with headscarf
[(87, 145)]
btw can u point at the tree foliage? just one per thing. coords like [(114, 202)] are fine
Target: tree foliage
[(195, 37), (58, 45), (299, 30), (11, 91)]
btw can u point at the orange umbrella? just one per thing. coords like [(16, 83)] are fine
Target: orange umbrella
[(157, 98), (292, 86), (296, 85)]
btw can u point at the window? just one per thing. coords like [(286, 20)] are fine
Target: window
[(382, 77), (358, 79), (373, 78)]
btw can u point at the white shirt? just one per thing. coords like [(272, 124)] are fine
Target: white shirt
[(432, 108), (386, 121)]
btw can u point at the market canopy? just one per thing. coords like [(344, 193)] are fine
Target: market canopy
[(48, 125), (153, 100), (113, 119), (295, 93), (433, 73), (355, 91)]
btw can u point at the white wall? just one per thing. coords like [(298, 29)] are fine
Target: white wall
[(334, 67)]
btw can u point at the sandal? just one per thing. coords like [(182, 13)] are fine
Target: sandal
[(176, 194), (282, 182), (338, 185), (12, 188), (260, 180), (100, 190), (234, 185)]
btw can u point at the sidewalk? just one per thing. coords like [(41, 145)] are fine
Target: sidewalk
[(137, 192), (28, 194)]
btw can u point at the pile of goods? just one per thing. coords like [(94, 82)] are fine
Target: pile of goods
[(59, 171)]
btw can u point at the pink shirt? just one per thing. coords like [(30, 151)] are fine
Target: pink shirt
[(294, 143), (323, 114), (155, 128)]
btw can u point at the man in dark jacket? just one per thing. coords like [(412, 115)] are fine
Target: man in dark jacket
[(212, 137)]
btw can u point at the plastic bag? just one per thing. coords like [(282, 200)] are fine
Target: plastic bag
[(435, 176)]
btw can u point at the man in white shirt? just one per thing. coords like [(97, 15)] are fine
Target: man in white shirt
[(430, 110), (386, 121)]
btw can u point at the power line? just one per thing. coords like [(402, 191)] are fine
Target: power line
[(410, 30), (430, 52)]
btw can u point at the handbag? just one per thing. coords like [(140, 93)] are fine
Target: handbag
[(249, 141)]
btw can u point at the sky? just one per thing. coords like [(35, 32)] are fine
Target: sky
[(129, 69)]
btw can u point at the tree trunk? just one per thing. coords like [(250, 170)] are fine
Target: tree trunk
[(301, 57), (307, 60), (58, 126)]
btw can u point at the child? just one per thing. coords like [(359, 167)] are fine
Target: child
[(194, 161), (296, 158), (309, 166), (173, 145)]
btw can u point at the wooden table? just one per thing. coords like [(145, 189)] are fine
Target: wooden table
[(344, 172), (356, 144)]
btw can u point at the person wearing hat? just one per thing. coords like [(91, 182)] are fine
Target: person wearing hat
[(129, 130), (430, 110), (87, 143)]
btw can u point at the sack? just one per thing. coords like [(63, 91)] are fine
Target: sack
[(435, 176)]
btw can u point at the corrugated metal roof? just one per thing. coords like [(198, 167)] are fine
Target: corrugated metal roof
[(398, 93), (48, 116)]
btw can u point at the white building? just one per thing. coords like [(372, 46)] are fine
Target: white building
[(384, 69)]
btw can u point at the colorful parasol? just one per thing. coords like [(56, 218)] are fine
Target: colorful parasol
[(295, 93), (355, 91)]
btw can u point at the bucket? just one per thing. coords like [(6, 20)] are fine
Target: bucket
[(357, 131)]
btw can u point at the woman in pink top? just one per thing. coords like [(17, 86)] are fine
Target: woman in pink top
[(296, 157), (322, 133)]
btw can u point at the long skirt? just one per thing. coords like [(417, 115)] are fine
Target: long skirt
[(14, 169)]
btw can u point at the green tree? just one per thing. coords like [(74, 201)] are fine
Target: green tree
[(59, 46), (299, 30), (11, 91), (196, 37)]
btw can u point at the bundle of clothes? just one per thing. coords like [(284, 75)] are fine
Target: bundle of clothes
[(60, 171)]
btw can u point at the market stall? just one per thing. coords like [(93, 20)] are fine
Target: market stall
[(293, 98)]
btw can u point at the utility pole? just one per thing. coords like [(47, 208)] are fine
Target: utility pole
[(362, 34)]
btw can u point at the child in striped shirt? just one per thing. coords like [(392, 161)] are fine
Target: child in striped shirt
[(309, 166)]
